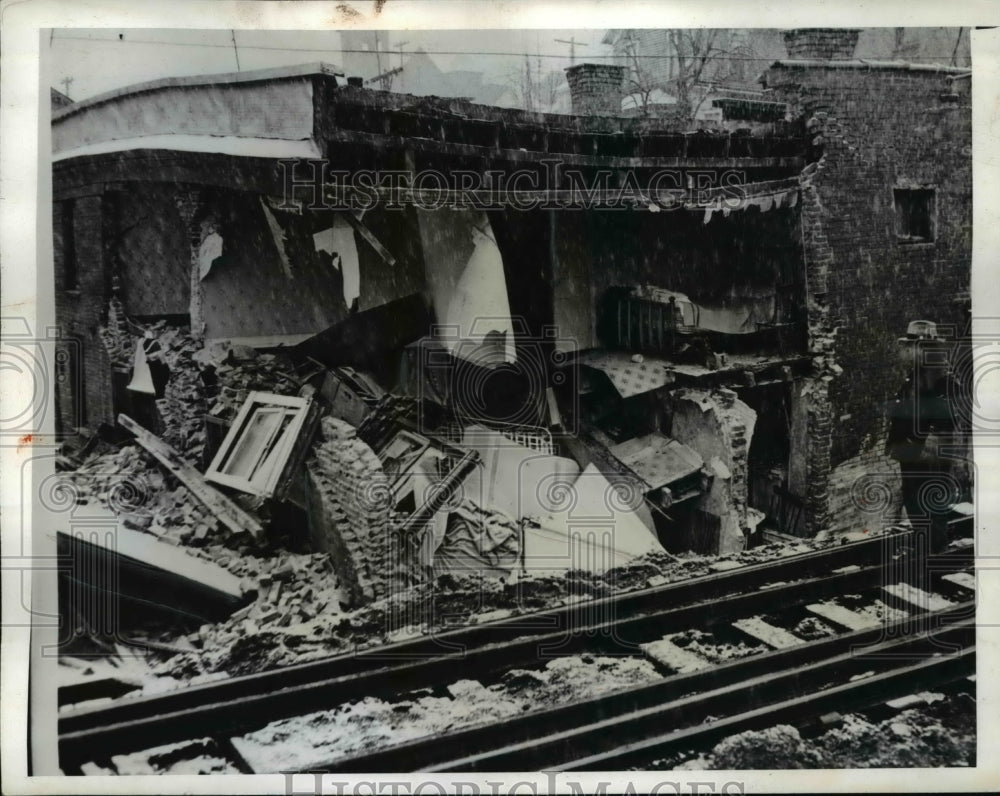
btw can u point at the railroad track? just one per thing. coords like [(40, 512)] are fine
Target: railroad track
[(569, 735)]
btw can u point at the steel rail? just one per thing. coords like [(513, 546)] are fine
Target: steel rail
[(852, 695), (538, 739), (242, 704)]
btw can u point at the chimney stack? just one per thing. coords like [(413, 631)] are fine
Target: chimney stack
[(596, 89), (822, 44)]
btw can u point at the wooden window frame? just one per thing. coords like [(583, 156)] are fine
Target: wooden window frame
[(276, 445)]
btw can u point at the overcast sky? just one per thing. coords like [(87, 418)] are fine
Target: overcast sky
[(104, 59)]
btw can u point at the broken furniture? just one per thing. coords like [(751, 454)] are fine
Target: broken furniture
[(670, 470), (426, 466), (350, 394), (225, 510), (265, 445)]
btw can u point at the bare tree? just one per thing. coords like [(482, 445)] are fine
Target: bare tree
[(697, 53), (532, 90), (698, 58), (641, 83)]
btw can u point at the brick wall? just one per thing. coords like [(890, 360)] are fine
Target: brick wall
[(823, 44), (348, 506), (81, 308), (596, 89), (877, 129)]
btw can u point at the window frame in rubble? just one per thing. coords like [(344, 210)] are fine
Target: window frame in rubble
[(276, 445)]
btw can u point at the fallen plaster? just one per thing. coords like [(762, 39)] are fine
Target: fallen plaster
[(719, 426)]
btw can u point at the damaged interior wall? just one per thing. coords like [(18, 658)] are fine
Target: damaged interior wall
[(151, 251), (381, 282), (467, 284), (567, 262), (721, 265), (269, 279)]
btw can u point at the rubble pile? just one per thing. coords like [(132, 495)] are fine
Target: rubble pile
[(182, 407), (294, 617), (119, 480), (127, 482), (935, 734), (240, 370)]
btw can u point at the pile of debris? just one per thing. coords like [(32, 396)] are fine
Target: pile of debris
[(293, 617), (351, 516), (234, 371)]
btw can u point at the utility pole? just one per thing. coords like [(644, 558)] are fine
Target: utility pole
[(378, 56), (572, 42), (400, 47), (528, 88), (66, 83)]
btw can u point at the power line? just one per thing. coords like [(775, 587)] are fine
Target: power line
[(445, 52)]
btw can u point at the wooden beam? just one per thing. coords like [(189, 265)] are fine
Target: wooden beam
[(354, 219), (224, 509)]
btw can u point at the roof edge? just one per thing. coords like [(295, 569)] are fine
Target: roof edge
[(255, 75), (862, 63)]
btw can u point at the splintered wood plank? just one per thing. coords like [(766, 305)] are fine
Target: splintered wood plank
[(677, 659), (224, 509), (918, 597), (964, 580), (844, 617), (776, 637)]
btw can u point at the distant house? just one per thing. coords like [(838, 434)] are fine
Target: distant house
[(58, 99), (423, 77)]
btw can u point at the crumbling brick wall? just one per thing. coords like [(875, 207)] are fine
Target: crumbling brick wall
[(348, 507), (878, 129), (865, 493), (815, 393), (719, 426)]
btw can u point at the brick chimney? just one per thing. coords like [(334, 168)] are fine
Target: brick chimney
[(596, 89), (822, 44)]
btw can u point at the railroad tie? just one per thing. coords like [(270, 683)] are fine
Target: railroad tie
[(677, 659), (924, 600), (843, 617), (775, 637)]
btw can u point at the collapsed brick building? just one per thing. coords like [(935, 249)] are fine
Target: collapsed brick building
[(707, 319)]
